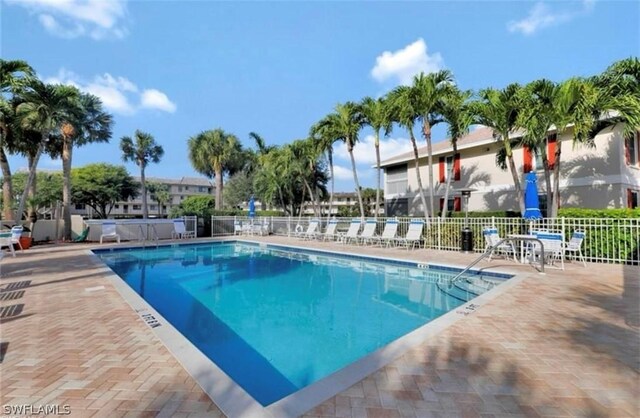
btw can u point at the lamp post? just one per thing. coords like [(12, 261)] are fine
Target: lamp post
[(466, 235)]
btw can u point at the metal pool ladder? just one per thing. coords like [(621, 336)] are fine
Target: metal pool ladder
[(493, 247)]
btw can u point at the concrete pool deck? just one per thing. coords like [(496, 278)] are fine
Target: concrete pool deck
[(561, 344)]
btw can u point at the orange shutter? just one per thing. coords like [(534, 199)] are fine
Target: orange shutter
[(551, 150), (441, 167), (456, 167), (528, 159), (627, 150), (457, 204)]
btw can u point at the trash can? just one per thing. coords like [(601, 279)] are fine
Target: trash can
[(466, 240)]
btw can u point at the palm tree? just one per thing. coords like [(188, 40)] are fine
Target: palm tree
[(214, 153), (305, 154), (43, 108), (498, 109), (376, 115), (345, 124), (456, 112), (403, 111), (322, 133), (160, 193), (90, 123), (143, 151), (13, 75), (575, 104), (430, 90)]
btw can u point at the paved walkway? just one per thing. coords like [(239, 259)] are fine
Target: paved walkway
[(563, 344)]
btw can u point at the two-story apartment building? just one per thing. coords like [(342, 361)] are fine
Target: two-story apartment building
[(179, 189), (604, 175)]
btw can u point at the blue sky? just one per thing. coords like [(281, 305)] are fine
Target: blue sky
[(175, 68)]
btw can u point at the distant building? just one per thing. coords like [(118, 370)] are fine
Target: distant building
[(179, 189), (606, 175)]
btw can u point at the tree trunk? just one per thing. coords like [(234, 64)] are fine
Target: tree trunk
[(418, 176), (313, 201), (445, 206), (301, 207), (426, 130), (330, 155), (514, 173), (67, 150), (355, 180), (377, 144), (143, 184), (218, 175), (7, 186), (547, 180), (33, 190), (556, 179), (30, 179)]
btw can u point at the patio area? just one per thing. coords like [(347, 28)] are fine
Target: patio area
[(561, 344)]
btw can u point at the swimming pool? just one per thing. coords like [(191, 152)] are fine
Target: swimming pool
[(277, 319)]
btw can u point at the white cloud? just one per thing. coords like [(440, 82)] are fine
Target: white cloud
[(365, 152), (118, 94), (98, 19), (155, 99), (403, 64), (542, 16), (342, 173)]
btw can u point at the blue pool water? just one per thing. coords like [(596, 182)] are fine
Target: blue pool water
[(276, 319)]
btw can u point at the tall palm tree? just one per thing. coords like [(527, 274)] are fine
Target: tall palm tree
[(345, 124), (160, 193), (257, 157), (499, 109), (456, 112), (43, 108), (142, 150), (377, 116), (324, 136), (430, 90), (305, 154), (13, 75), (403, 111), (89, 124), (214, 153)]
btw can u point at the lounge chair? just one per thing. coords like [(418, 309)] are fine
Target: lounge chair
[(109, 231), (180, 230), (82, 237), (16, 233), (331, 231), (414, 234), (352, 232), (492, 238), (575, 245), (553, 246), (311, 230), (5, 241), (237, 227), (389, 233), (368, 232)]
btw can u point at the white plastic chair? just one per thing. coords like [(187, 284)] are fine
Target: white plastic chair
[(352, 232), (180, 230), (414, 234), (109, 231), (237, 227), (368, 232), (491, 238), (553, 247), (16, 233), (330, 232), (7, 241), (575, 245)]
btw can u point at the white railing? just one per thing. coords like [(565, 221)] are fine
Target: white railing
[(607, 240)]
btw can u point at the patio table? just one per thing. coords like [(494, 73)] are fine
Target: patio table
[(516, 238)]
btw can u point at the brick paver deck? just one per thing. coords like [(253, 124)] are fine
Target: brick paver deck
[(563, 344)]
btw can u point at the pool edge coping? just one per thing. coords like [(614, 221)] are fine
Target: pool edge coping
[(232, 399)]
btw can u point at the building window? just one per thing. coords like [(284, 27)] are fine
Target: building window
[(209, 190), (542, 198), (181, 197), (632, 149), (186, 188), (80, 206), (137, 207), (448, 166), (179, 188), (397, 207), (153, 207), (125, 208), (117, 206), (396, 177), (164, 208), (202, 189), (632, 198), (454, 204), (538, 164)]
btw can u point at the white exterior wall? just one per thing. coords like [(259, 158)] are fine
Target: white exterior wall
[(591, 177)]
